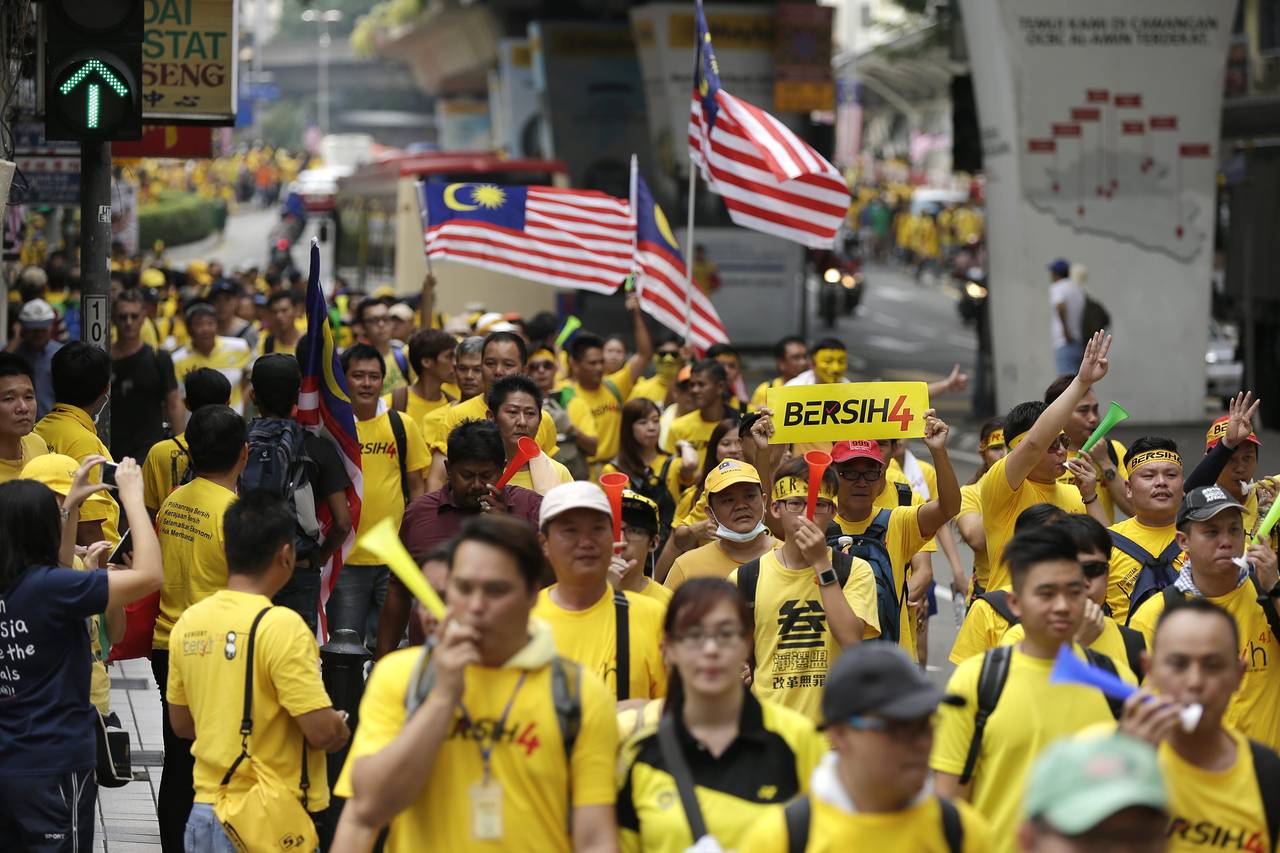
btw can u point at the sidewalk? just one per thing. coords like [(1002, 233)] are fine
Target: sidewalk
[(126, 817)]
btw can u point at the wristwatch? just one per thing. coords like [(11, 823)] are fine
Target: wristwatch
[(827, 577), (65, 512), (1109, 474)]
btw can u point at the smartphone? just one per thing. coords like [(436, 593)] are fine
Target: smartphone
[(123, 547), (109, 474)]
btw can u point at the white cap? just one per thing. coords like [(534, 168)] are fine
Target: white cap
[(37, 314), (578, 494)]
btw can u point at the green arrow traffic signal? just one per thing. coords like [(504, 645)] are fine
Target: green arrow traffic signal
[(92, 95)]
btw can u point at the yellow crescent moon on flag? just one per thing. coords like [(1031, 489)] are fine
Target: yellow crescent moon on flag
[(451, 198), (664, 227)]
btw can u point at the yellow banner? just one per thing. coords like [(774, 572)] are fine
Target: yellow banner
[(189, 61), (848, 411)]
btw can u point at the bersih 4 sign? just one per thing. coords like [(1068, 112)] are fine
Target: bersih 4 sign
[(189, 62)]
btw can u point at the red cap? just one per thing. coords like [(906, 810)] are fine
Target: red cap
[(1218, 429), (846, 450)]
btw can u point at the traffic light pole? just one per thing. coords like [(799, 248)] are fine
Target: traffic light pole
[(95, 255)]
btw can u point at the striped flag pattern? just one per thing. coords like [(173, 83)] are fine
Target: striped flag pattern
[(579, 239), (770, 179), (661, 276), (324, 408)]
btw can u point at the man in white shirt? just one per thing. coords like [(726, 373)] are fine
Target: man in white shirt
[(1067, 301)]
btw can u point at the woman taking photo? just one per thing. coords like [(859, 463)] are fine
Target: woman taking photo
[(729, 754), (658, 476), (47, 739)]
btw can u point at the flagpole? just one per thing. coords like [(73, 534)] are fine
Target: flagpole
[(688, 266)]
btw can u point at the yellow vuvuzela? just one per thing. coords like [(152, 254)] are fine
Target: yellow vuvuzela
[(384, 541)]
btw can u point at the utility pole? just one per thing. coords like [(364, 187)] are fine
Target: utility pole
[(95, 255)]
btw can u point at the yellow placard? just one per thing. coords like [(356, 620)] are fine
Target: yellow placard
[(848, 411), (189, 58)]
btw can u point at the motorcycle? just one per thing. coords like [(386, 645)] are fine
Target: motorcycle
[(841, 283), (973, 295)]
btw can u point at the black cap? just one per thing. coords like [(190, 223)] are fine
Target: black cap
[(639, 511), (1204, 503), (224, 285), (880, 679)]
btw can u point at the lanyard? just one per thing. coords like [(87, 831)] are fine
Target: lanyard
[(486, 753)]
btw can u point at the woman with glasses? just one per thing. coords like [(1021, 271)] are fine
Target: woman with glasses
[(658, 476), (1098, 631), (728, 754)]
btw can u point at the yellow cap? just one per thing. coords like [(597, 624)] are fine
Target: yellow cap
[(730, 472), (151, 278), (55, 470)]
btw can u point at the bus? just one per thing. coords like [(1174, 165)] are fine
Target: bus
[(379, 229)]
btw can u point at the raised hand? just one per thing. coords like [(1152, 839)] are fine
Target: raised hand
[(1094, 365), (935, 431), (81, 487), (1240, 418)]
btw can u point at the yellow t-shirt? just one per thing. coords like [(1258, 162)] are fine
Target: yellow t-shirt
[(589, 637), (915, 829), (166, 464), (383, 497), (230, 357), (70, 431), (476, 409), (760, 395), (394, 377), (794, 646), (693, 429), (192, 550), (903, 541), (606, 410), (983, 629), (1001, 506), (1105, 500), (1110, 643), (769, 762), (524, 479), (1255, 707), (658, 592), (969, 502), (278, 347), (705, 561), (1209, 810), (650, 388), (1031, 714), (30, 446), (417, 408), (1124, 569), (286, 685), (529, 759)]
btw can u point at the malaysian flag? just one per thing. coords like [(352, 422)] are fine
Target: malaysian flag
[(661, 278), (324, 408), (770, 179), (566, 238)]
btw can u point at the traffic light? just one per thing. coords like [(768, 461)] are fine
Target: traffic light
[(92, 69)]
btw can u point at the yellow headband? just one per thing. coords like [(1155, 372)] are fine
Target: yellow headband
[(794, 487), (840, 352), (540, 351), (996, 439), (1149, 456), (1017, 439)]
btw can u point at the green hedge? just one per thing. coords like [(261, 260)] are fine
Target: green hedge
[(178, 218)]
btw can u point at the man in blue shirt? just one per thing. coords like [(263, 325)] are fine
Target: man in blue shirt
[(36, 346)]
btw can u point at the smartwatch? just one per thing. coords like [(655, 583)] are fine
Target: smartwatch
[(827, 577)]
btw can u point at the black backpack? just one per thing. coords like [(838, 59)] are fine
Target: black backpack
[(1094, 319), (654, 487), (188, 474), (278, 463), (1134, 643), (869, 545), (799, 811), (1155, 572)]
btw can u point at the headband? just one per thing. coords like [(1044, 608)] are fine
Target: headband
[(819, 352), (541, 351), (996, 439), (1017, 439), (1218, 431), (1149, 456), (794, 487)]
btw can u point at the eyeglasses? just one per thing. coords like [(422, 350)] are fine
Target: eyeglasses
[(721, 638), (385, 318), (636, 534), (904, 731), (1095, 568), (799, 505), (853, 475)]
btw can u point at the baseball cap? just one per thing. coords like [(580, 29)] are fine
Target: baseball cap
[(37, 314), (578, 494), (198, 309), (846, 450), (1218, 431), (639, 511), (1204, 503), (1077, 783), (224, 286), (880, 679), (151, 277), (401, 312), (1060, 267), (728, 473), (57, 470)]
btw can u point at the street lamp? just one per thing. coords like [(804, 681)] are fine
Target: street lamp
[(324, 19)]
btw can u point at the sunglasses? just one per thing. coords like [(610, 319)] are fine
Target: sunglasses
[(852, 475), (1095, 568), (667, 356), (542, 365)]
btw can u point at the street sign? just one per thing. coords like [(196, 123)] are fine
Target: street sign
[(157, 140), (189, 62), (50, 168)]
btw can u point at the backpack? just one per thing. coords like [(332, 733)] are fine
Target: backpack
[(1094, 319), (278, 462), (1156, 573), (568, 392), (401, 362), (1134, 643), (869, 545), (188, 473), (998, 600), (991, 680), (749, 576), (798, 813), (654, 487), (402, 442)]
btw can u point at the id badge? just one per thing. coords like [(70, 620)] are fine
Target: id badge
[(486, 811)]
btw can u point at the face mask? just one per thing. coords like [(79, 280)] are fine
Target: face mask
[(723, 532), (829, 365)]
